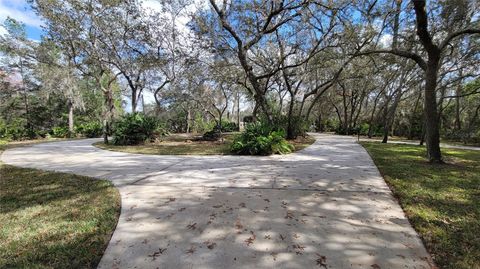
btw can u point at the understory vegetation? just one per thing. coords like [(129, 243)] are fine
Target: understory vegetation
[(441, 201), (374, 68), (54, 220), (193, 144), (258, 138), (136, 128), (261, 139)]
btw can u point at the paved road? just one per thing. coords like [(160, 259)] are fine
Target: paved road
[(323, 207)]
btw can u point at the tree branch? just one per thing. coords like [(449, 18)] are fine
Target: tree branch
[(451, 36), (402, 53)]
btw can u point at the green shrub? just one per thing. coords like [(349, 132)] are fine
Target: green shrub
[(212, 135), (136, 128), (279, 144), (90, 129), (3, 129), (352, 130), (215, 133), (299, 125), (228, 126), (42, 133), (261, 139), (14, 130), (328, 125), (199, 124), (3, 144), (248, 119), (60, 132), (363, 129), (161, 130)]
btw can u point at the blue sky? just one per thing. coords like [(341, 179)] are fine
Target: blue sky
[(21, 11)]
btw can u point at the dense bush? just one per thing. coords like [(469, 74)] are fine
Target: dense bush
[(42, 133), (212, 135), (465, 136), (3, 142), (60, 132), (136, 128), (261, 139), (14, 130), (228, 126), (248, 119), (200, 124), (216, 131), (298, 125), (363, 128), (3, 129), (341, 130), (89, 129), (329, 125)]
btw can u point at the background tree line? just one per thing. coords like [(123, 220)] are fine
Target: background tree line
[(378, 68)]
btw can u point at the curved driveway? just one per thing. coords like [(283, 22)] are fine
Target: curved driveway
[(323, 207)]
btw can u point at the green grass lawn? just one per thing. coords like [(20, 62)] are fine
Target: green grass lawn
[(405, 139), (4, 144), (441, 201), (186, 145), (54, 220)]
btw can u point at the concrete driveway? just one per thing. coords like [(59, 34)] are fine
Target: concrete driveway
[(323, 207)]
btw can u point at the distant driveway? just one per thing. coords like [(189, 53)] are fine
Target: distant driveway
[(323, 207)]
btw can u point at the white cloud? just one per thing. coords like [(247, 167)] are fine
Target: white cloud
[(19, 10), (183, 18), (386, 40), (3, 31), (153, 5)]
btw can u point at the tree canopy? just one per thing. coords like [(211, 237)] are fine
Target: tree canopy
[(389, 67)]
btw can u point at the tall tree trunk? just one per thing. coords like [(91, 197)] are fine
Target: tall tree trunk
[(189, 119), (105, 130), (238, 111), (412, 117), (370, 123), (29, 126), (290, 127), (109, 112), (386, 133), (470, 126), (390, 115), (458, 92), (134, 101), (255, 112), (320, 125), (387, 117), (359, 111), (70, 117), (386, 124), (280, 102), (458, 123), (27, 112), (345, 113), (432, 135), (422, 135), (220, 122)]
